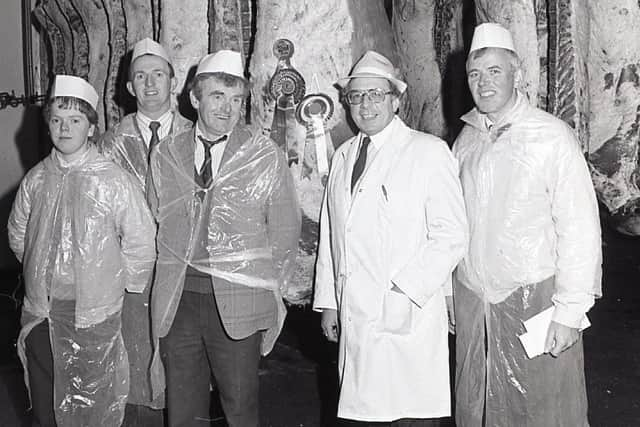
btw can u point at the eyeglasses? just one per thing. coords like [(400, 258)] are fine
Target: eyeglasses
[(355, 97)]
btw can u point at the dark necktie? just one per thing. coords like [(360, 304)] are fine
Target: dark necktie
[(153, 126), (361, 161), (205, 170)]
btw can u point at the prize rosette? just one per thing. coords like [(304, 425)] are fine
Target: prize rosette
[(313, 112)]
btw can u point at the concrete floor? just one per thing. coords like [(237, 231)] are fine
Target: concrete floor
[(298, 377)]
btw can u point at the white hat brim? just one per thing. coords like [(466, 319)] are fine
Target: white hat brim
[(399, 84)]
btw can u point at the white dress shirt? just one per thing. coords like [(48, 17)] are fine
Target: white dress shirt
[(166, 120), (216, 152)]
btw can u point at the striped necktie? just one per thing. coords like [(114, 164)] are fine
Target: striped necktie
[(205, 170)]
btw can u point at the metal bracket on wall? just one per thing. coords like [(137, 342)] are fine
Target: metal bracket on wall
[(11, 100)]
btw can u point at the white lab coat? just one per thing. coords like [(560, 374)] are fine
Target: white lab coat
[(404, 225)]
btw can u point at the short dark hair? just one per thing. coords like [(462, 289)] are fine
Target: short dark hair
[(71, 102), (226, 79), (68, 103), (172, 73)]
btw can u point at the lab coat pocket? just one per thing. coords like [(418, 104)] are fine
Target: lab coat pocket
[(397, 313)]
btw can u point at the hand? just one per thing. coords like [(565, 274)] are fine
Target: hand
[(329, 324), (560, 338), (451, 314)]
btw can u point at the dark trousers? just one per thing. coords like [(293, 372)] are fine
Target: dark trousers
[(142, 416), (404, 422), (197, 345), (497, 385), (40, 369)]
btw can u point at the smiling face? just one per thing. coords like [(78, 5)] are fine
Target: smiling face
[(151, 83), (492, 78), (371, 117), (219, 104), (69, 129)]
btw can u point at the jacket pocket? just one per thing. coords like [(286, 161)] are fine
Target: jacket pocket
[(397, 313)]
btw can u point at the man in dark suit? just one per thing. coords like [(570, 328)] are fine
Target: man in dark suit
[(229, 223), (130, 143)]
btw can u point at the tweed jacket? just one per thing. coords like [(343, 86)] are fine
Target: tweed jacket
[(251, 215)]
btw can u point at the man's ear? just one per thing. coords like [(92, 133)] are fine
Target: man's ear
[(195, 103), (395, 103), (91, 131), (518, 78), (130, 89), (174, 84)]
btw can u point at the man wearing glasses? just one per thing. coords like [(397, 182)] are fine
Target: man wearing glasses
[(392, 229)]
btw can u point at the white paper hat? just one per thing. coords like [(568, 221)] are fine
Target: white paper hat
[(76, 87), (491, 35), (372, 64), (223, 61), (149, 47)]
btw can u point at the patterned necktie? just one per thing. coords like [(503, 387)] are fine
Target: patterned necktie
[(361, 161), (205, 170), (153, 126)]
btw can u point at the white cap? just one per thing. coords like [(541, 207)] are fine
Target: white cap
[(149, 47), (223, 61), (491, 35), (75, 86), (372, 64)]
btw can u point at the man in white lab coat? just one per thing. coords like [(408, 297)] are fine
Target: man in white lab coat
[(392, 229)]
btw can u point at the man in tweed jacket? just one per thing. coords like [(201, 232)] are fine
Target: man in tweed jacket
[(229, 223)]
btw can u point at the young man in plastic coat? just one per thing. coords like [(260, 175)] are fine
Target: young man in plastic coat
[(130, 144), (392, 230), (82, 229), (534, 245), (228, 233)]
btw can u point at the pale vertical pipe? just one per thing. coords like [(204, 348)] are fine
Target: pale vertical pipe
[(413, 32), (184, 32), (568, 91)]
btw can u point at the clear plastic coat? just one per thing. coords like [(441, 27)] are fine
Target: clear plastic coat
[(84, 234), (249, 217), (534, 244)]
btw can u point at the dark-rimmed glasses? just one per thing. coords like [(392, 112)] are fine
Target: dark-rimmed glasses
[(355, 97)]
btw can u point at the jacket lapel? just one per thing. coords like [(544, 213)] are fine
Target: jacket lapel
[(376, 172), (343, 169), (237, 138), (182, 152)]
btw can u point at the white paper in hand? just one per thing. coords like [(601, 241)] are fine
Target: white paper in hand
[(537, 328)]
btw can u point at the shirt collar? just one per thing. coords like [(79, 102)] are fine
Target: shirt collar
[(488, 123), (482, 121), (165, 120), (200, 133), (385, 134)]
